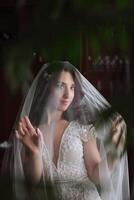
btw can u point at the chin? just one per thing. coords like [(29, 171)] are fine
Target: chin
[(63, 108)]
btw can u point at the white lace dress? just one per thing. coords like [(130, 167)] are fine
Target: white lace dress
[(70, 175)]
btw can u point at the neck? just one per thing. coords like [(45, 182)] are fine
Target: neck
[(54, 116)]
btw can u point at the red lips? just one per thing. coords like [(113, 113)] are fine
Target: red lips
[(64, 102)]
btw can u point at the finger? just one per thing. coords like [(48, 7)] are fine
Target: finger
[(119, 136), (120, 144), (18, 136), (24, 127), (124, 127), (114, 128), (20, 129), (28, 123), (35, 131), (118, 121), (23, 122), (17, 128), (40, 134), (121, 126), (29, 127), (116, 116)]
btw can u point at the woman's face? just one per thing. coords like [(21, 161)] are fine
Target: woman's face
[(62, 91)]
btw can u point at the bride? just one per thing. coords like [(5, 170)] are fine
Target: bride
[(62, 147)]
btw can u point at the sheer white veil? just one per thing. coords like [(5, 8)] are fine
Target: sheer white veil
[(88, 107)]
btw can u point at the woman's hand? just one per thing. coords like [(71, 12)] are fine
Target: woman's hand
[(31, 137), (118, 133)]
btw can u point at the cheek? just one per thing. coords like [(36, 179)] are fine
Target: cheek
[(72, 95), (57, 95)]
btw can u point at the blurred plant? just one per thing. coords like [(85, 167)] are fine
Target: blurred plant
[(54, 27)]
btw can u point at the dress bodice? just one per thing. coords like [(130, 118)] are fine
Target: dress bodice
[(70, 165)]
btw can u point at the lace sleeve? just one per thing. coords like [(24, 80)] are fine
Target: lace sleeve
[(87, 132)]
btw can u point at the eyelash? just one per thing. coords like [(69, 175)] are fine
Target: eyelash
[(58, 85), (72, 88), (61, 86)]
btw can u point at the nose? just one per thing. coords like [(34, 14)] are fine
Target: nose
[(66, 93)]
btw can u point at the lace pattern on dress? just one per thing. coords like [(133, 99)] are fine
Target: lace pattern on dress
[(87, 132)]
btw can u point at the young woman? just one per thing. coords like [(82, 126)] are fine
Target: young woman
[(57, 145)]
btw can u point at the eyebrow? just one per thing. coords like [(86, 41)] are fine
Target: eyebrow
[(73, 84)]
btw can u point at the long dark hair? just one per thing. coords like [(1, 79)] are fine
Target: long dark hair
[(45, 81)]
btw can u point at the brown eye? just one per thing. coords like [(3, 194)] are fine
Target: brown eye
[(72, 88), (60, 86)]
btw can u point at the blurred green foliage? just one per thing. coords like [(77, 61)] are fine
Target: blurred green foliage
[(54, 28)]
